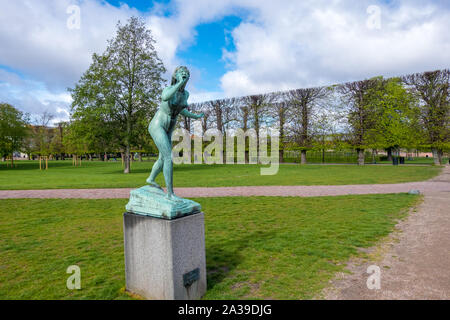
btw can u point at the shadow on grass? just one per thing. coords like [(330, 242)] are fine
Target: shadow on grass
[(222, 258)]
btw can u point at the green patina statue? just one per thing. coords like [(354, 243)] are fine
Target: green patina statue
[(174, 102), (151, 200)]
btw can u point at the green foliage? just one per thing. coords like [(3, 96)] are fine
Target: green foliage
[(396, 117), (13, 129), (432, 89), (118, 91), (359, 98)]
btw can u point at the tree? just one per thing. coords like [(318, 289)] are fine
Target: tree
[(303, 103), (144, 142), (218, 109), (122, 85), (256, 109), (432, 88), (229, 113), (90, 133), (57, 145), (13, 130), (74, 141), (359, 97), (42, 134), (279, 112), (396, 123)]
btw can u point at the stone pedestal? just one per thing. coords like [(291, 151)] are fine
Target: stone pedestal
[(165, 259)]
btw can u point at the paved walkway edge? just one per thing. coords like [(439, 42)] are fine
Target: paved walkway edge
[(279, 191)]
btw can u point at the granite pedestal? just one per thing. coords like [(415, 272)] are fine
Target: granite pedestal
[(165, 259)]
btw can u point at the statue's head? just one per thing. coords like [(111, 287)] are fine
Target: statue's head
[(179, 69)]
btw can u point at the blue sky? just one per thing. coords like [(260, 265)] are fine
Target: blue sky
[(232, 47), (205, 53), (141, 5)]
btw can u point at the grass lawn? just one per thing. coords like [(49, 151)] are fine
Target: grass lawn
[(97, 174), (256, 248), (420, 161)]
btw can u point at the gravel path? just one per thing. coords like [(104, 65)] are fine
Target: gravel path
[(287, 191), (414, 261)]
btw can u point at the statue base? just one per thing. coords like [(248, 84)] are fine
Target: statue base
[(152, 201), (165, 259)]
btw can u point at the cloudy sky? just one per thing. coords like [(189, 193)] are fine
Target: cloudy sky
[(232, 47)]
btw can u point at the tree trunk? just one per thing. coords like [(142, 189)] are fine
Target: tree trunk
[(281, 156), (437, 156), (360, 157), (140, 156), (389, 154), (303, 157), (127, 160)]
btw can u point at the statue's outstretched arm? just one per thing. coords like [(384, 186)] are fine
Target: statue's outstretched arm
[(188, 114)]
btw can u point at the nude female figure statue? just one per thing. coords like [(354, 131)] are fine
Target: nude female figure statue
[(173, 103)]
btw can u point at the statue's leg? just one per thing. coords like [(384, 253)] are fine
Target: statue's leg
[(157, 168), (164, 145)]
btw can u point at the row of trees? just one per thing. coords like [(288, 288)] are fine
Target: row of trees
[(34, 137), (410, 112)]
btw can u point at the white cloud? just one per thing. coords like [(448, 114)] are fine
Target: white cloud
[(37, 43), (296, 44), (36, 40), (280, 44), (44, 56), (200, 96)]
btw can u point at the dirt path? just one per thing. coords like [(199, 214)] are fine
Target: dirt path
[(414, 261), (426, 187)]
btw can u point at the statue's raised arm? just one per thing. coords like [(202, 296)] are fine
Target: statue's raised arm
[(173, 102)]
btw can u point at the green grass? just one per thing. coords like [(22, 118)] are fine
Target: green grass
[(419, 161), (256, 248), (61, 174)]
